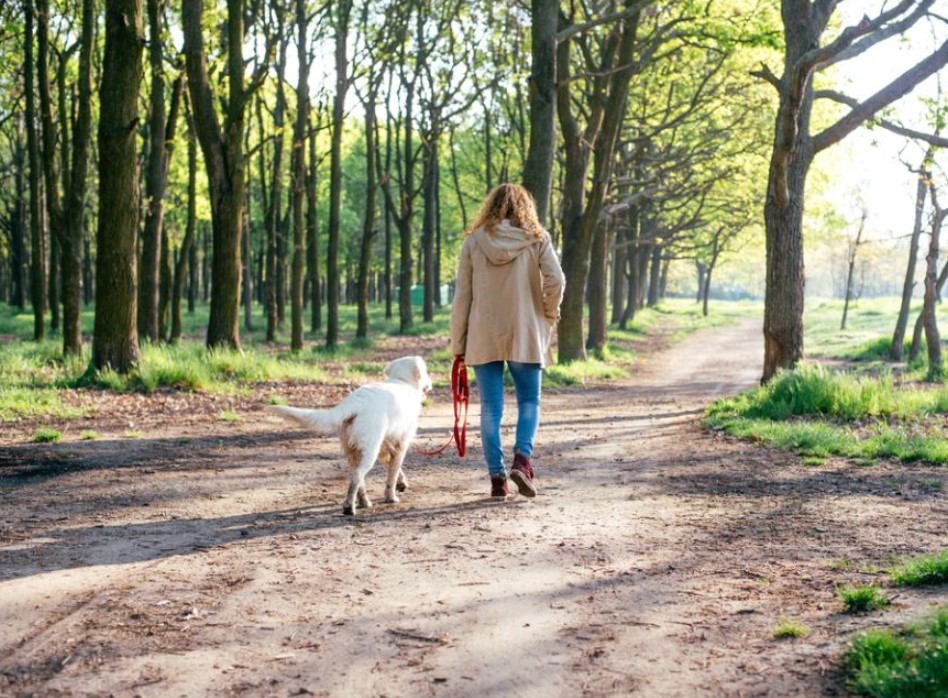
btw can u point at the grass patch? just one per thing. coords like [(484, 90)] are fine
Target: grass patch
[(789, 628), (89, 435), (909, 663), (46, 435), (817, 413), (133, 434), (277, 400), (862, 598), (814, 461), (229, 416), (580, 372), (923, 569)]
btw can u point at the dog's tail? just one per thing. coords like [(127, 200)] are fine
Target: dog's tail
[(322, 421)]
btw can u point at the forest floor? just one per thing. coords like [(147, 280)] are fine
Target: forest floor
[(211, 558)]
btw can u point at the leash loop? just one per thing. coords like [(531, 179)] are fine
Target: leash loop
[(461, 395)]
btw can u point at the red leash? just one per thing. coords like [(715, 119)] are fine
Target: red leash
[(461, 392)]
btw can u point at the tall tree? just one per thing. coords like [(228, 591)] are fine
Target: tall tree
[(908, 286), (597, 140), (298, 176), (224, 159), (341, 15), (794, 147), (115, 338), (275, 200), (37, 236), (184, 262), (155, 179)]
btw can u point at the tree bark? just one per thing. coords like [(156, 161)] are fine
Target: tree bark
[(598, 274), (225, 162), (18, 258), (37, 235), (115, 339), (185, 257), (538, 168), (298, 178), (929, 317), (853, 251), (908, 286), (430, 167), (312, 248), (155, 181), (335, 174), (371, 206)]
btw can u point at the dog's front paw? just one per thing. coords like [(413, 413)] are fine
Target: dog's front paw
[(391, 498), (401, 485), (347, 510)]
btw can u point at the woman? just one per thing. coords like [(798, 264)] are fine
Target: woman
[(506, 304)]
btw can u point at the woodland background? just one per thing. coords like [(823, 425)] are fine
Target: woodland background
[(276, 159)]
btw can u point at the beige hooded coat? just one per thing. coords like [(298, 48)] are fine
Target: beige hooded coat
[(507, 297)]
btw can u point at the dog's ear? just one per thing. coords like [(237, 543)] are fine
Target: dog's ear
[(387, 371)]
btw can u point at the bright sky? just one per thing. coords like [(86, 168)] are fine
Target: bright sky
[(869, 160)]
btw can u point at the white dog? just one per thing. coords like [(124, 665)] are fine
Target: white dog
[(375, 422)]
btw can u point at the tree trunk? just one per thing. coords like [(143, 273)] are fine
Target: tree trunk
[(37, 236), (155, 181), (706, 290), (538, 167), (54, 211), (335, 174), (655, 275), (312, 248), (115, 339), (929, 318), (225, 162), (298, 175), (274, 277), (908, 286), (18, 259), (185, 256), (371, 206), (599, 264), (246, 258), (853, 251), (430, 168)]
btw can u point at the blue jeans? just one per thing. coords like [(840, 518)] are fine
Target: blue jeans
[(490, 384)]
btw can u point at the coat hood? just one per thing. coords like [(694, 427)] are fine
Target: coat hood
[(505, 244)]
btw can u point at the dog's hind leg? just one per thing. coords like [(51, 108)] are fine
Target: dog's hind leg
[(396, 476), (360, 462)]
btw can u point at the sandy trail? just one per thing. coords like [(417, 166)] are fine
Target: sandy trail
[(656, 561)]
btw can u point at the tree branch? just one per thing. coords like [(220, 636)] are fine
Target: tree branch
[(931, 138), (575, 29), (895, 90)]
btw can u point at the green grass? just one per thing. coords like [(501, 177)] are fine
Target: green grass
[(33, 375), (923, 569), (862, 598), (818, 412), (47, 435), (788, 628), (89, 435), (908, 663), (230, 416)]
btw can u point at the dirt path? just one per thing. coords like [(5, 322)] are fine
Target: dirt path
[(212, 559)]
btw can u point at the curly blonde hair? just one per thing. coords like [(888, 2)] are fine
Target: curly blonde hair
[(513, 203)]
